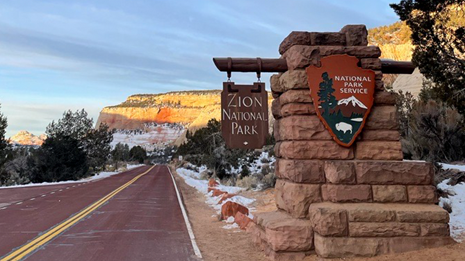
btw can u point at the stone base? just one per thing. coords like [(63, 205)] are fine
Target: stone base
[(339, 230), (370, 229), (282, 237)]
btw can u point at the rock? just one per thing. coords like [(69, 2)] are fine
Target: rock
[(230, 209), (216, 192), (302, 128), (296, 96), (395, 172), (225, 196), (340, 172), (314, 150), (140, 109), (356, 35), (371, 214), (27, 138), (296, 198), (379, 84), (370, 63), (422, 194), (297, 109), (381, 135), (292, 80), (284, 233), (328, 221), (290, 235), (358, 51), (389, 193), (418, 214), (276, 109), (242, 220), (343, 247), (328, 38), (428, 230), (378, 150), (300, 171), (274, 82), (382, 118), (295, 38), (276, 149), (301, 56), (385, 98), (346, 193), (212, 183), (404, 244), (392, 229)]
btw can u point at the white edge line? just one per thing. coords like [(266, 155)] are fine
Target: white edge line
[(186, 219)]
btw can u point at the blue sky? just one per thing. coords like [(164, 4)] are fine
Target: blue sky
[(60, 55)]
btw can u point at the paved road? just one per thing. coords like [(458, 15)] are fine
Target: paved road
[(128, 216)]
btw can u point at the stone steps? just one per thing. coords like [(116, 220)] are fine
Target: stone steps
[(335, 230)]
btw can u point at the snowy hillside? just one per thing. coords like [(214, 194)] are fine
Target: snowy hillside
[(151, 137)]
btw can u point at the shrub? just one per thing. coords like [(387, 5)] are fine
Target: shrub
[(248, 182), (269, 181), (435, 133)]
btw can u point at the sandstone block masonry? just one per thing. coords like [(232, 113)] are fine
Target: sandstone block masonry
[(335, 201)]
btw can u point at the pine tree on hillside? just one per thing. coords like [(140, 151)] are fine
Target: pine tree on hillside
[(73, 124), (327, 99), (137, 153), (59, 158), (438, 34), (4, 146), (97, 146), (120, 153)]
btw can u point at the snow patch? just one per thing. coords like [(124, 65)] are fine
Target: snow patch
[(451, 166), (192, 178), (98, 176), (456, 200)]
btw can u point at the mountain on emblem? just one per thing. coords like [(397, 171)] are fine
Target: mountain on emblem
[(354, 101), (342, 94)]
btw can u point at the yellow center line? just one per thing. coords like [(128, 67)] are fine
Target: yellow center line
[(55, 231)]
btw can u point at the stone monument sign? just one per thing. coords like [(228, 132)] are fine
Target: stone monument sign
[(343, 188)]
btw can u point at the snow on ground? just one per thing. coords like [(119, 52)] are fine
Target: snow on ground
[(192, 178), (98, 176), (451, 166), (456, 201)]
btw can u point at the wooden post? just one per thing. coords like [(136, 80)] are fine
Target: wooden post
[(274, 65)]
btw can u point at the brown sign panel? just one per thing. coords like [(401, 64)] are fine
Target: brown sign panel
[(244, 115), (343, 95)]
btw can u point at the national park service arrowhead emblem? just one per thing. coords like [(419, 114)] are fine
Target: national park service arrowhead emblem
[(343, 95)]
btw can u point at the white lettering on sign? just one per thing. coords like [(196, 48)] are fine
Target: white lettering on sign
[(353, 84), (244, 128), (352, 78), (247, 101)]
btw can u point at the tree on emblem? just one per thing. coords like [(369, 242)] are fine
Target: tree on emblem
[(325, 94)]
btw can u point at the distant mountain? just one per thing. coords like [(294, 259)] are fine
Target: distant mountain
[(393, 40), (157, 120), (26, 138)]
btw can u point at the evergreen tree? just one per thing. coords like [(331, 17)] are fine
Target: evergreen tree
[(438, 34), (138, 154), (75, 125), (4, 149), (4, 146), (327, 99), (120, 153), (97, 146), (59, 158)]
